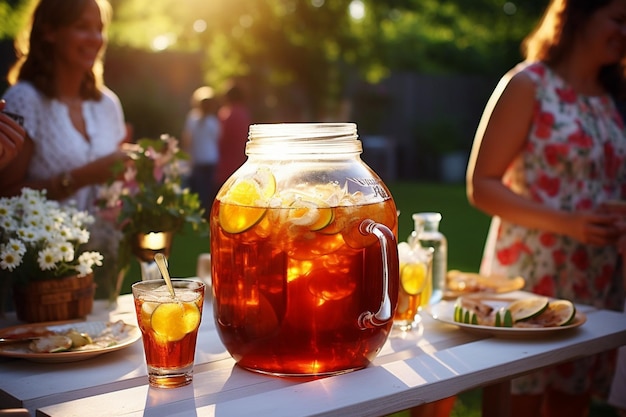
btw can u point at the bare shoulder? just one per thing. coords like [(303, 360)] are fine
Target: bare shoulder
[(518, 83)]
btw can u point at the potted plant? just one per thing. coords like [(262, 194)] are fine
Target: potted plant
[(149, 202), (43, 259)]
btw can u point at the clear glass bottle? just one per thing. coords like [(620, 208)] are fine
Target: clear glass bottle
[(426, 233)]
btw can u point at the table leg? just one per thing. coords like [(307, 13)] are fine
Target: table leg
[(497, 400)]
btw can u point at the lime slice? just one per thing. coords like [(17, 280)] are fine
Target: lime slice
[(311, 212), (558, 313), (563, 311), (457, 313), (503, 318), (528, 308), (413, 278), (244, 203), (463, 315), (79, 339), (174, 320)]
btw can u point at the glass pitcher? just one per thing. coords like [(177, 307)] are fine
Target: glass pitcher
[(304, 253)]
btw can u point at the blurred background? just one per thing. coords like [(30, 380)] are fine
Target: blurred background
[(413, 74)]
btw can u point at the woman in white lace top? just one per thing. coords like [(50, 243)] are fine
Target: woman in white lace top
[(74, 124)]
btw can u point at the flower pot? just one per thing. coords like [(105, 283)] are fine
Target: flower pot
[(145, 245), (54, 300)]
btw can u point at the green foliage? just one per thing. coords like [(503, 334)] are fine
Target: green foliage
[(13, 15), (316, 47), (313, 49)]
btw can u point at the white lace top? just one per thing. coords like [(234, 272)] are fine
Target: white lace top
[(59, 147)]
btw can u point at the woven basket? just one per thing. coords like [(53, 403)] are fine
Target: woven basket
[(54, 300)]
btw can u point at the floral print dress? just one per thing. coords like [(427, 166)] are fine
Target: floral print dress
[(573, 160)]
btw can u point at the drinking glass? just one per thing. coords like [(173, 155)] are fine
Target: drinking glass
[(169, 328), (415, 274)]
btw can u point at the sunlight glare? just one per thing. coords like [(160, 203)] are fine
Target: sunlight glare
[(357, 9), (509, 8), (199, 26), (317, 3), (246, 20), (162, 42)]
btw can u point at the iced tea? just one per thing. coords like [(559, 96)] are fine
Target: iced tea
[(415, 274), (292, 279), (169, 328)]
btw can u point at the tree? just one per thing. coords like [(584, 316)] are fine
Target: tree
[(303, 53)]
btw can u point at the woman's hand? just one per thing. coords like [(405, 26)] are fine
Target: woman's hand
[(102, 169), (11, 137), (595, 228)]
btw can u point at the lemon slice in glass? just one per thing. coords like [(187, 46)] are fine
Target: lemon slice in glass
[(413, 278), (173, 321)]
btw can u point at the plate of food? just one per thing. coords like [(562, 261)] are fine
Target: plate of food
[(459, 283), (524, 316), (69, 341)]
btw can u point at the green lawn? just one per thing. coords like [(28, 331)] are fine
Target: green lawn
[(464, 226)]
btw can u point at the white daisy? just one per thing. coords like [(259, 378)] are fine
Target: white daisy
[(16, 245), (10, 259), (66, 249), (47, 259)]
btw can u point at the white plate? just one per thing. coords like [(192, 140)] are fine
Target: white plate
[(444, 312), (128, 335)]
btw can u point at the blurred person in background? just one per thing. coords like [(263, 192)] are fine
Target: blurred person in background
[(74, 124), (11, 137), (200, 140), (549, 151), (235, 122)]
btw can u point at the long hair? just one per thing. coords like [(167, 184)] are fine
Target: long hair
[(35, 61), (553, 38)]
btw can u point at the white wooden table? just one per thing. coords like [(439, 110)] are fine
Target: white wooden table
[(435, 361)]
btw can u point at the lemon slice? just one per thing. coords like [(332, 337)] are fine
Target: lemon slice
[(146, 312), (413, 278), (245, 202), (528, 308), (173, 321)]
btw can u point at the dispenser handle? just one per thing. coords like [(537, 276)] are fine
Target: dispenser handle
[(390, 266)]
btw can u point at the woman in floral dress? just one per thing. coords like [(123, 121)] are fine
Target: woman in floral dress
[(549, 151)]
